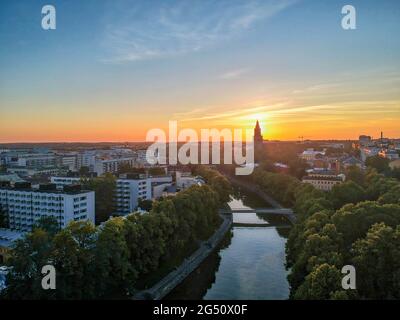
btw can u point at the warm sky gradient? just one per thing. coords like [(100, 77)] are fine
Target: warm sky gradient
[(114, 69)]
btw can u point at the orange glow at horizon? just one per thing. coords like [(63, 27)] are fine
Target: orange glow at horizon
[(278, 122)]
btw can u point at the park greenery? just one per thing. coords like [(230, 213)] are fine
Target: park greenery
[(104, 188), (356, 223), (113, 259)]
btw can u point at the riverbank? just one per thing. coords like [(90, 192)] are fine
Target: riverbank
[(170, 281), (256, 190)]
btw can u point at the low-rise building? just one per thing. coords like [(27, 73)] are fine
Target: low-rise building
[(389, 154), (185, 180), (310, 154), (367, 152), (7, 240), (351, 161), (324, 180)]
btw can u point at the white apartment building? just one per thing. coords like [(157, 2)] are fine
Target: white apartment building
[(25, 206), (26, 171), (36, 160), (102, 166), (129, 191), (65, 181), (69, 161), (86, 159)]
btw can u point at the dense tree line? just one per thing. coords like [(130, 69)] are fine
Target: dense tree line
[(381, 165), (107, 261), (104, 188), (281, 187), (217, 181), (357, 223)]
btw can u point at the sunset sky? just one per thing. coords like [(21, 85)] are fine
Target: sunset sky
[(112, 70)]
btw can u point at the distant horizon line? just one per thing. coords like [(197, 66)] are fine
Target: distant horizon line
[(198, 141)]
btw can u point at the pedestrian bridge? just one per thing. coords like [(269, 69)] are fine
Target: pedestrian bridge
[(276, 211), (287, 213)]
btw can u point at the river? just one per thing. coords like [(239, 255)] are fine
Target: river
[(249, 263)]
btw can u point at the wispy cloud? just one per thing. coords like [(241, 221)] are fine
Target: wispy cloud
[(148, 31), (234, 74)]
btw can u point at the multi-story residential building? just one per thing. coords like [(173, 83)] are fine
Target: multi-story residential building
[(68, 160), (129, 190), (324, 180), (64, 181), (102, 166), (86, 159), (24, 205), (26, 171)]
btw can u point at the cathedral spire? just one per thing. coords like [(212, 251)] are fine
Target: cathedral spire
[(257, 133)]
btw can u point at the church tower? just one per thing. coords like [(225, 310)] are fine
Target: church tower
[(258, 139), (259, 152)]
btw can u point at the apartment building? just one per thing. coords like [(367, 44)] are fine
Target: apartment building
[(24, 205), (129, 190), (102, 166), (64, 181)]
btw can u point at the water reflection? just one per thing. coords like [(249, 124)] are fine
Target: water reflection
[(249, 263)]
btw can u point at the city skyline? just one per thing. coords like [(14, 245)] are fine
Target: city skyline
[(110, 73)]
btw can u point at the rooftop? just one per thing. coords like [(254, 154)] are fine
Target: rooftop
[(7, 237)]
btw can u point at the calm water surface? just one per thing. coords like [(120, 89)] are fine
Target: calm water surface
[(250, 262)]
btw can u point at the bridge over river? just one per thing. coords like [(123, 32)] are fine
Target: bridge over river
[(288, 213)]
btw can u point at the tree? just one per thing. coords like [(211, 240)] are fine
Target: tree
[(348, 192), (377, 261), (379, 163), (322, 283), (395, 173), (354, 221), (127, 168), (112, 260), (48, 224), (355, 174), (84, 171), (156, 171), (74, 260), (104, 188), (27, 259), (145, 204)]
